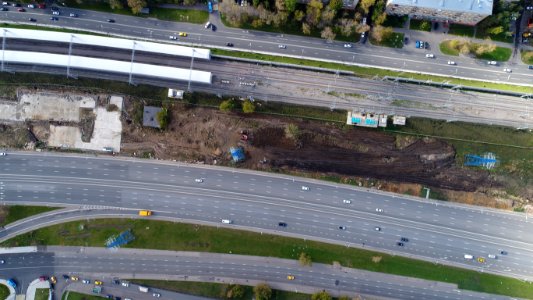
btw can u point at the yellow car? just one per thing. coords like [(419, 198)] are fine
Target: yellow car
[(98, 282), (480, 260), (53, 279), (182, 34), (74, 278), (290, 277)]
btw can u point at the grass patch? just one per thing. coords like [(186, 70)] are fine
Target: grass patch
[(446, 49), (527, 57), (18, 212), (394, 40), (180, 15), (187, 237), (421, 25), (4, 291), (461, 30), (367, 72), (42, 294), (500, 54), (69, 295)]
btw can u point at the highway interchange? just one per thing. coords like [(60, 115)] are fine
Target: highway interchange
[(408, 58), (439, 232)]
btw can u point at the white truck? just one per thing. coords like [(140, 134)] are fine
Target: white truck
[(143, 289), (468, 256)]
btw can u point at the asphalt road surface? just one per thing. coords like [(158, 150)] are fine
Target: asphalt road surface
[(322, 89), (107, 265), (437, 231), (407, 58)]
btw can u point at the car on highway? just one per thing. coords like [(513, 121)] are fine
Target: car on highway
[(507, 70), (172, 37), (98, 282), (86, 281), (53, 279), (492, 62), (73, 15), (290, 277), (404, 239), (493, 256), (348, 46), (32, 20), (21, 10), (503, 252), (3, 9), (480, 260), (530, 67), (56, 12), (3, 154), (347, 201), (74, 278), (157, 295), (377, 228), (305, 188), (282, 47), (400, 244), (342, 227), (200, 180), (54, 19), (125, 284), (182, 34), (380, 210), (430, 55), (110, 21), (282, 224), (2, 261), (229, 44), (227, 221), (207, 25), (451, 62)]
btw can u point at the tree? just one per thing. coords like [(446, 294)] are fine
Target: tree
[(365, 5), (335, 5), (378, 10), (322, 295), (305, 259), (346, 26), (227, 105), (136, 5), (290, 5), (299, 15), (262, 291), (360, 28), (380, 19), (425, 25), (314, 10), (234, 291), (248, 107), (328, 34), (327, 17), (306, 29), (379, 33), (163, 118), (344, 297), (280, 5), (495, 30), (116, 4)]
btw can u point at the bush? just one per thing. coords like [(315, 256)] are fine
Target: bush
[(305, 259), (163, 118), (112, 107), (262, 291), (248, 107), (227, 105), (322, 295)]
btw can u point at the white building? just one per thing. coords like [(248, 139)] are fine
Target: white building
[(468, 12)]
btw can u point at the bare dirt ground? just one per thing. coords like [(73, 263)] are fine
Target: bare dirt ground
[(364, 156)]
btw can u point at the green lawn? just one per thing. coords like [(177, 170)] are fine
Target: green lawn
[(527, 57), (180, 15), (462, 30), (213, 290), (446, 49), (186, 237), (42, 294), (18, 212), (77, 296), (395, 40), (500, 54), (4, 291), (419, 25)]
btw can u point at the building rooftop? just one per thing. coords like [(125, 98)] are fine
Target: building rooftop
[(473, 6)]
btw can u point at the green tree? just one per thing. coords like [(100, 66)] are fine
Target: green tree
[(425, 25), (305, 259), (262, 292), (365, 5), (314, 10), (227, 105), (495, 30), (306, 29), (163, 118), (322, 295), (136, 5), (248, 107), (290, 5), (299, 15), (234, 291), (328, 34), (335, 4), (116, 4)]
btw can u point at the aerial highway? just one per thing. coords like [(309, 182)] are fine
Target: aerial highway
[(406, 59), (107, 265), (437, 231), (317, 89)]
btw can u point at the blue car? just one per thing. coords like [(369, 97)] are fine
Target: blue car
[(417, 44), (530, 67), (12, 283)]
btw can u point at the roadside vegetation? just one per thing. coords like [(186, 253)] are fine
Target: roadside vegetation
[(527, 57), (68, 295), (384, 36), (10, 214), (421, 25), (187, 237), (487, 50), (42, 294)]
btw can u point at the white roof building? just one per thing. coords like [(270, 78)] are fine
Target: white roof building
[(468, 12)]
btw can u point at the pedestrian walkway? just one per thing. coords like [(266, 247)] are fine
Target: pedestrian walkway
[(37, 284)]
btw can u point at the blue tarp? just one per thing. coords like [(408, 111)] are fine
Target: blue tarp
[(237, 154)]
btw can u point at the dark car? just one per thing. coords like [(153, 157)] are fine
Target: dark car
[(404, 239), (282, 224), (229, 44), (399, 244), (213, 27), (110, 20), (406, 40), (503, 252), (116, 281), (342, 227), (109, 296), (21, 10), (54, 19), (118, 298), (32, 20), (65, 276), (53, 8), (530, 67)]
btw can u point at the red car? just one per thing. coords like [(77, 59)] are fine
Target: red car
[(21, 10), (42, 6)]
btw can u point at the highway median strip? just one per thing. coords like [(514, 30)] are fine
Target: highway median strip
[(164, 235)]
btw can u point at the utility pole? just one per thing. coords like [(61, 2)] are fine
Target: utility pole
[(130, 80), (190, 71), (69, 55), (3, 49)]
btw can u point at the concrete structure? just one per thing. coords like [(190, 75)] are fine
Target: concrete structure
[(150, 116), (469, 12), (38, 284)]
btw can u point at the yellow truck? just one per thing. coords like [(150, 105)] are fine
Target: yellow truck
[(145, 213)]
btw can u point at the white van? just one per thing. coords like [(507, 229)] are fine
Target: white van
[(468, 256), (227, 221), (207, 25)]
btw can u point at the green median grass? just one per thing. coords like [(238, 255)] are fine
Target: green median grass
[(4, 291), (18, 212), (186, 237), (68, 295), (42, 294)]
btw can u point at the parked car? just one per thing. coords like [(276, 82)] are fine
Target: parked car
[(98, 282), (31, 5), (400, 244), (173, 37), (21, 10), (493, 256), (73, 15), (157, 295), (213, 27), (54, 19), (32, 20), (199, 180), (207, 25), (530, 67), (379, 210), (125, 284), (86, 281), (74, 278), (53, 279), (56, 12), (404, 239)]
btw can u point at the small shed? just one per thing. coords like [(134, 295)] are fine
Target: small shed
[(237, 153), (150, 116), (176, 94)]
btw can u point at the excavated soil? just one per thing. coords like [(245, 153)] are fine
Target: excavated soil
[(205, 135)]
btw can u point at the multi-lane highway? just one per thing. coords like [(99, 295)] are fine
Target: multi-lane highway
[(407, 59), (440, 232), (321, 89), (106, 265)]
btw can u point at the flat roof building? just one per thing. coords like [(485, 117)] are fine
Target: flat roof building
[(469, 12)]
